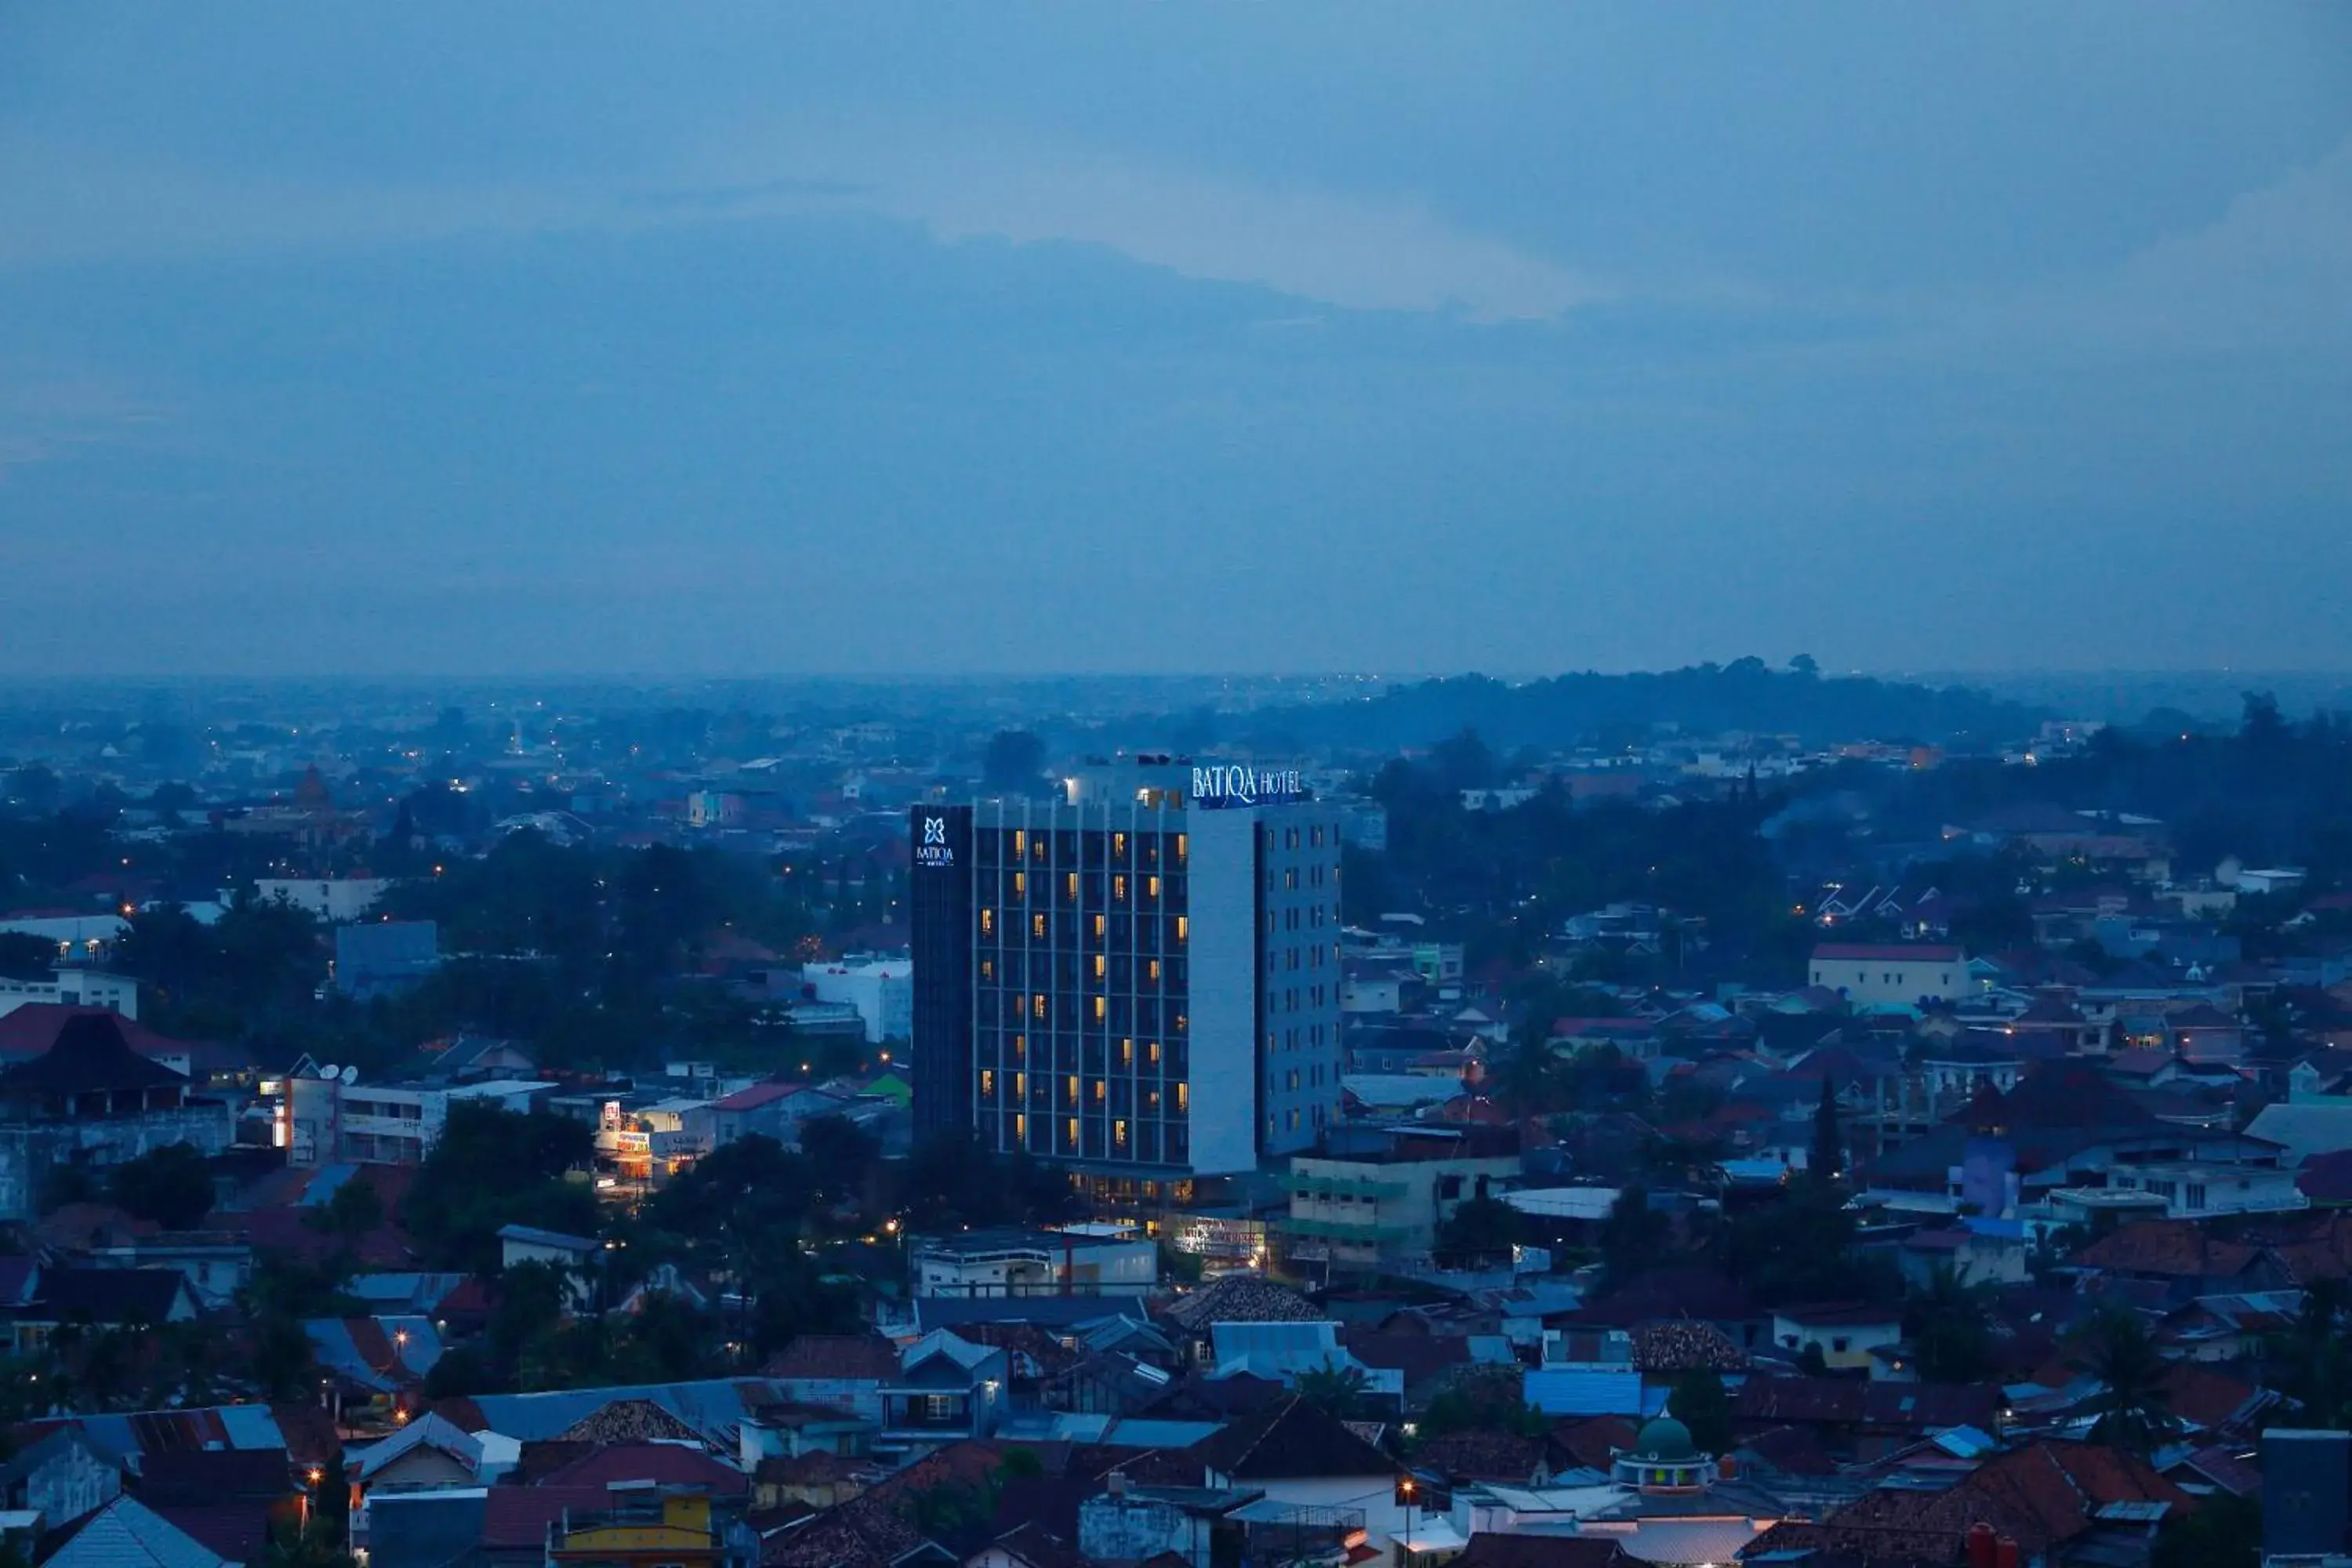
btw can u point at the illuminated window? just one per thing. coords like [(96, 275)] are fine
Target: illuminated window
[(1070, 885), (1152, 1053), (1099, 1091), (1183, 1097), (1020, 884), (1181, 847), (988, 923), (1101, 964), (1020, 1129), (1119, 890), (1183, 927), (988, 969), (1070, 1133), (1098, 925), (1020, 842), (1151, 1100), (1119, 846), (1099, 1006), (987, 1084), (1037, 1005), (1152, 887), (1126, 1053), (1070, 1085), (1021, 1085), (1151, 969), (1037, 927), (1118, 1134), (1020, 1045)]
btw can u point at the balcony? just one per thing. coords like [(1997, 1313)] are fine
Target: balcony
[(1312, 1186)]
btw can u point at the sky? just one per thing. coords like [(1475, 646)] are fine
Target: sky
[(745, 339)]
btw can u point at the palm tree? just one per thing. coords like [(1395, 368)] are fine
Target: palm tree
[(1949, 1321), (1335, 1389), (2134, 1411)]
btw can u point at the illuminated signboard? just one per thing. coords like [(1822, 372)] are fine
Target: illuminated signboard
[(933, 847), (1218, 787)]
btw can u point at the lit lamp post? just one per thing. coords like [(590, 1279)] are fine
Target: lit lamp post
[(1404, 1547)]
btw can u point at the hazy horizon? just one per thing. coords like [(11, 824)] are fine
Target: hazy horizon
[(565, 341)]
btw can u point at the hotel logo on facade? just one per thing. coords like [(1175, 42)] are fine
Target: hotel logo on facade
[(934, 849)]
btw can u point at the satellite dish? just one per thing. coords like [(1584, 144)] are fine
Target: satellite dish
[(351, 1075), (329, 1070)]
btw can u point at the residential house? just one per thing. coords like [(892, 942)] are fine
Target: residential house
[(1847, 1335), (1313, 1469), (1899, 974), (126, 1530), (90, 1102)]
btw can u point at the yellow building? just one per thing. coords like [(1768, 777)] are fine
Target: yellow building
[(653, 1527)]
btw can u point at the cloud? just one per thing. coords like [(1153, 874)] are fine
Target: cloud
[(1348, 251), (75, 206)]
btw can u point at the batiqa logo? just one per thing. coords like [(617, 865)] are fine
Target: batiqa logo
[(935, 850), (1217, 787)]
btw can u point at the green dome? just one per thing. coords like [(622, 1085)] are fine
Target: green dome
[(1665, 1441)]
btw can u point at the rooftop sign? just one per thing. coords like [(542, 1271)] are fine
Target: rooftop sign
[(1216, 788)]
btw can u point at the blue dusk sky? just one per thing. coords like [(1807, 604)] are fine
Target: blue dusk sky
[(436, 337)]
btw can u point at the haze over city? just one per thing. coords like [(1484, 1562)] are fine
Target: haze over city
[(438, 339)]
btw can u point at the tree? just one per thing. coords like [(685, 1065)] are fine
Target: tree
[(1335, 1389), (2222, 1532), (1698, 1402), (492, 1168), (171, 1187), (1014, 761), (1483, 1399), (1949, 1322), (2132, 1408), (840, 1154), (1632, 1237), (25, 957), (1480, 1228), (351, 1212), (1825, 1162)]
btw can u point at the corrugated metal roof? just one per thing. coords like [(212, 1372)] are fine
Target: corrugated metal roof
[(716, 1407), (1582, 1391)]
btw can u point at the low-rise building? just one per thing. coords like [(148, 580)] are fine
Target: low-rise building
[(91, 1102), (1895, 975), (881, 989), (331, 1120), (1075, 1261), (330, 899), (1366, 1200)]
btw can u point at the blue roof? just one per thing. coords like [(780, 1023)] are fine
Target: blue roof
[(1585, 1392)]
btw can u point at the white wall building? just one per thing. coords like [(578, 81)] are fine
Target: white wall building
[(73, 988), (333, 899), (881, 989), (326, 1119)]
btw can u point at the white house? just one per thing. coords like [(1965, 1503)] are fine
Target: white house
[(332, 900), (1890, 974)]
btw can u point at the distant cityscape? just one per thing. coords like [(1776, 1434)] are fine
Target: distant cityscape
[(1734, 1114)]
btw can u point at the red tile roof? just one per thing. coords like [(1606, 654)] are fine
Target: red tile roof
[(665, 1464)]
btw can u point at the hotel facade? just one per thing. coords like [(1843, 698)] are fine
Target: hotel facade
[(1140, 979)]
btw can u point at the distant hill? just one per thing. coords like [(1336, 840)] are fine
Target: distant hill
[(1706, 699)]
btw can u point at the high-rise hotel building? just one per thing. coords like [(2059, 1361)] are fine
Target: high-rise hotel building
[(1140, 979)]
